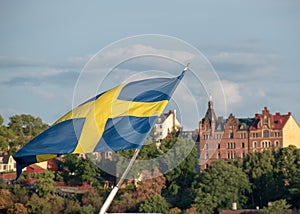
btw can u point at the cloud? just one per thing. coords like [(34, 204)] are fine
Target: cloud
[(53, 77), (7, 62), (244, 66)]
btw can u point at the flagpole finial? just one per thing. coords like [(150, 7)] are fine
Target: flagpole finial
[(186, 68)]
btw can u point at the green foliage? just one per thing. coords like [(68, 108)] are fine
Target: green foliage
[(45, 184), (224, 183), (72, 207), (86, 171), (274, 175), (20, 129), (156, 204), (57, 204), (38, 205), (277, 207), (87, 209), (92, 198), (204, 202), (1, 120), (21, 194), (126, 203)]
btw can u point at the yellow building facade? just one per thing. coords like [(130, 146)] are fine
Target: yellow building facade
[(291, 133)]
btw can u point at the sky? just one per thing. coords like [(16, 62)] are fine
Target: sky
[(253, 48)]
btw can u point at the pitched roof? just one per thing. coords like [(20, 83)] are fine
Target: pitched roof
[(278, 120), (4, 158)]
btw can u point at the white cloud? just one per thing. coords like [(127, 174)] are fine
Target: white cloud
[(244, 58)]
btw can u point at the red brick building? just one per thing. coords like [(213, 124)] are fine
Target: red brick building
[(233, 137)]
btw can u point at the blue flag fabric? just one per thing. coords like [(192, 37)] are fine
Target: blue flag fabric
[(118, 119)]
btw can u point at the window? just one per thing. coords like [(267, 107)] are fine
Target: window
[(230, 127), (4, 167), (269, 144), (229, 146), (254, 144), (219, 155), (266, 133), (206, 156), (262, 144), (219, 145), (206, 146), (243, 145), (243, 155), (229, 155), (276, 143), (231, 135), (206, 166)]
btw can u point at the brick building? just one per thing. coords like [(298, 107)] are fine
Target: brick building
[(234, 137)]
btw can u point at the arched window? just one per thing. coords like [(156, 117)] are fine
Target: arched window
[(243, 145), (219, 155), (262, 144), (254, 144), (276, 144)]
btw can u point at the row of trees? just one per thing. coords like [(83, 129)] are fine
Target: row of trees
[(260, 178)]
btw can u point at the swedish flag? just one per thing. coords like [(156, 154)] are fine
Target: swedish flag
[(118, 119)]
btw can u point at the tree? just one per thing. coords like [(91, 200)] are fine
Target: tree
[(21, 129), (26, 125), (1, 120), (86, 171), (204, 202), (126, 203), (6, 200), (6, 136), (179, 179), (288, 171), (69, 167), (156, 204), (72, 207), (18, 209), (152, 184), (38, 205), (223, 182), (92, 198), (45, 184), (21, 194), (261, 170), (277, 207), (57, 204)]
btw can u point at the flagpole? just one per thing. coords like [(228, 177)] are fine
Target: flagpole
[(113, 193)]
